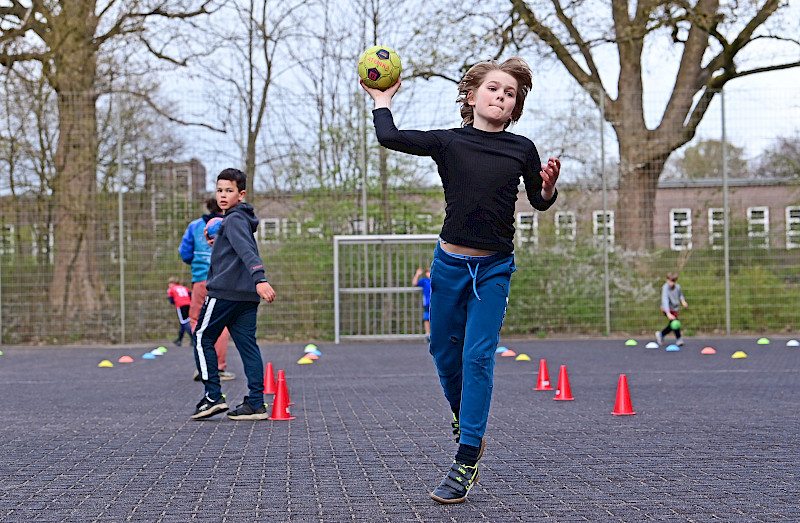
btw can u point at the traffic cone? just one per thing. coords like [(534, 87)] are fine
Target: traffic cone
[(563, 392), (543, 383), (280, 407), (269, 379), (623, 405)]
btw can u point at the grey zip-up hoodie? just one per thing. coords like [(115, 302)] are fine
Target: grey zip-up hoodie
[(236, 266)]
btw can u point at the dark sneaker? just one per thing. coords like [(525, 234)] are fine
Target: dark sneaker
[(207, 407), (177, 343), (224, 375), (456, 484), (246, 411), (659, 338)]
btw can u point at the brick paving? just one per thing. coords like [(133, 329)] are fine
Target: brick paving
[(714, 438)]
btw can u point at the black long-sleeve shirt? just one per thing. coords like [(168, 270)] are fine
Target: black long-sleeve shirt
[(480, 173)]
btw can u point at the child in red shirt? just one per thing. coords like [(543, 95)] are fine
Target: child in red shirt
[(180, 296)]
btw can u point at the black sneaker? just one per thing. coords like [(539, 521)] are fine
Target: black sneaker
[(207, 408), (246, 411), (456, 484), (177, 343)]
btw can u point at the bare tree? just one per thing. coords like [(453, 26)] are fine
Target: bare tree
[(712, 40), (251, 50), (64, 39)]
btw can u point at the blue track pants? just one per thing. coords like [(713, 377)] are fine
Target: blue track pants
[(468, 305)]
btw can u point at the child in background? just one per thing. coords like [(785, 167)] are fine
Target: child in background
[(236, 285), (480, 165), (180, 296), (671, 300), (425, 283)]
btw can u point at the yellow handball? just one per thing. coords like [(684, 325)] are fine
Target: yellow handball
[(379, 67)]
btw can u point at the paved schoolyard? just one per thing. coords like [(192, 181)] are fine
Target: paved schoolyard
[(714, 438)]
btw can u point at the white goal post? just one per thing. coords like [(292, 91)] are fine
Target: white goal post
[(373, 295)]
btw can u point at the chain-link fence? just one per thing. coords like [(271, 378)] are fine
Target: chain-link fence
[(86, 261)]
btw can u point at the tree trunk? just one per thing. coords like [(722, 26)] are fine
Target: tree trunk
[(77, 290), (636, 193)]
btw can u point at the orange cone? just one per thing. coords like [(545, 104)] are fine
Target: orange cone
[(280, 407), (269, 380), (563, 392), (623, 405), (543, 383)]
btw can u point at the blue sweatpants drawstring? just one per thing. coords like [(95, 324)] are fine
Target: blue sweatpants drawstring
[(474, 279)]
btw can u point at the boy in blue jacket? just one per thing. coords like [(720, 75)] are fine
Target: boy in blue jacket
[(236, 285)]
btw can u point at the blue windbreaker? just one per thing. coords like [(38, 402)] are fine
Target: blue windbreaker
[(195, 249)]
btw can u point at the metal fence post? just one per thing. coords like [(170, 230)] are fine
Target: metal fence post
[(726, 214)]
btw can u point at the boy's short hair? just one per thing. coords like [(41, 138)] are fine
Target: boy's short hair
[(672, 276), (515, 66), (213, 206), (234, 175), (174, 280)]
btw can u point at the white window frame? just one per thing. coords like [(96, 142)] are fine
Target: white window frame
[(758, 226), (599, 222), (269, 230), (48, 249), (716, 228), (356, 225), (427, 219), (528, 221), (290, 227), (680, 229), (566, 225), (793, 227)]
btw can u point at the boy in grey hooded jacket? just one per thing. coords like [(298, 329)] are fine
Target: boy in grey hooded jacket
[(236, 285)]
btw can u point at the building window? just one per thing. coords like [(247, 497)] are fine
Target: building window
[(716, 228), (603, 224), (793, 227), (680, 229), (290, 227), (7, 239), (528, 227), (565, 226), (269, 229), (42, 243), (357, 225), (423, 224), (758, 226)]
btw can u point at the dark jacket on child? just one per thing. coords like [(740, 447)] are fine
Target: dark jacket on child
[(236, 266)]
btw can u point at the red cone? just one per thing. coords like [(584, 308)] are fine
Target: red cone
[(623, 405), (563, 392), (543, 383), (269, 380), (280, 407)]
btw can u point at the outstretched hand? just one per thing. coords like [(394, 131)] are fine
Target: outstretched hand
[(549, 174)]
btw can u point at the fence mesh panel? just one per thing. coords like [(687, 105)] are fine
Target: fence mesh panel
[(88, 242)]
